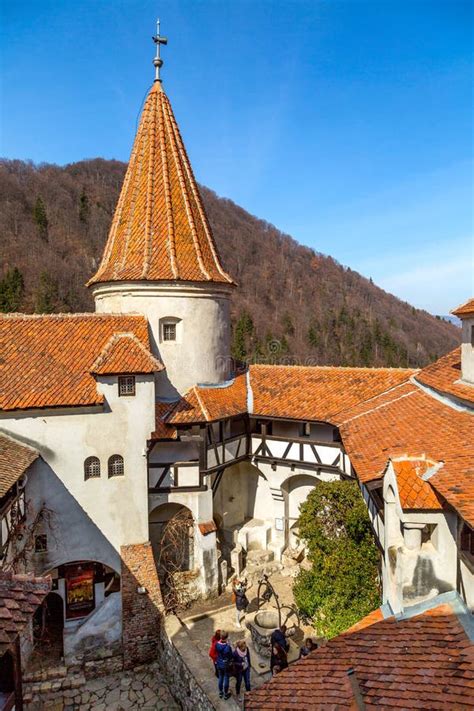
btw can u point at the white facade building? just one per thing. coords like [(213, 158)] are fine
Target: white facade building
[(137, 414)]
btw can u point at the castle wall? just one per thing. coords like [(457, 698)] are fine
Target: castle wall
[(94, 517), (201, 351)]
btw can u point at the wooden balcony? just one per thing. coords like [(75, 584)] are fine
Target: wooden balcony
[(178, 476), (302, 452)]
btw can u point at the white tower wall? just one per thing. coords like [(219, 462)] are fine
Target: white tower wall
[(201, 312)]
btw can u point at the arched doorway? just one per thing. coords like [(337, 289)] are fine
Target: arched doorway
[(295, 492), (243, 508), (48, 626), (172, 539)]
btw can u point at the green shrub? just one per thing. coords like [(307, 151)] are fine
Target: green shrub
[(343, 583)]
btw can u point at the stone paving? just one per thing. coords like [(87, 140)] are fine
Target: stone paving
[(141, 689)]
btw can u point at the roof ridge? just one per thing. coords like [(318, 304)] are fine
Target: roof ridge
[(80, 314), (114, 338), (201, 404), (332, 367), (378, 407)]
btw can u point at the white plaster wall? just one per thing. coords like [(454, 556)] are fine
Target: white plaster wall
[(318, 432), (376, 519), (114, 510), (437, 557), (467, 583), (202, 352), (467, 351)]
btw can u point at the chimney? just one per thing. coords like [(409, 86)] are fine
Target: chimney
[(466, 313)]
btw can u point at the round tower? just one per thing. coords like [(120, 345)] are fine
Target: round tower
[(161, 260)]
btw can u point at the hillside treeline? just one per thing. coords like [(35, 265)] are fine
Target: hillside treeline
[(292, 304)]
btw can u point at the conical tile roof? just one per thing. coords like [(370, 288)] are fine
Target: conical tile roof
[(160, 231)]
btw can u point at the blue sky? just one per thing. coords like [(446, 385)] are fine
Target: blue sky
[(346, 123)]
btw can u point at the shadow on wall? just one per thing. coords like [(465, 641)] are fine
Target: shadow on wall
[(424, 581)]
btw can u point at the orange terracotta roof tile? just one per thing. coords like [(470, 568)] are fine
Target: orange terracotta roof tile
[(410, 423), (413, 491), (15, 458), (160, 230), (424, 662), (206, 404), (124, 353), (163, 430), (444, 376), (20, 596), (317, 393), (47, 360), (207, 527), (465, 309)]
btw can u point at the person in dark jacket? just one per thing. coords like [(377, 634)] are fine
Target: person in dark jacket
[(224, 663), (242, 666), (239, 590), (279, 637), (278, 660), (308, 647)]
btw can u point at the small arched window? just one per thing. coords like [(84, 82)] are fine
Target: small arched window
[(116, 465), (91, 468)]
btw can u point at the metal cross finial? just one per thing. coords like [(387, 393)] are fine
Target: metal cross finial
[(157, 61)]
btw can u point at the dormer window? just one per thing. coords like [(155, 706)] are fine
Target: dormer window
[(169, 331), (126, 385)]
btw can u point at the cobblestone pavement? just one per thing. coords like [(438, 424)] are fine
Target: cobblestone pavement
[(141, 689)]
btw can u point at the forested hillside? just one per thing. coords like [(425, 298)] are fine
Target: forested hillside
[(291, 302)]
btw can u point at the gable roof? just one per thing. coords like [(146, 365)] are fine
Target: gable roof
[(47, 360), (206, 404), (465, 309), (15, 458), (20, 595), (410, 423), (317, 392), (413, 491), (423, 662), (444, 375), (160, 230), (124, 353)]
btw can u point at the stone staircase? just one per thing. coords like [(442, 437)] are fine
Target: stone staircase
[(259, 562), (50, 680)]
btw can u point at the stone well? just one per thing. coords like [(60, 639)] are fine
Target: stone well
[(261, 625)]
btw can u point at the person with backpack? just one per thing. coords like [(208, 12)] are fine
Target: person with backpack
[(242, 666), (224, 661)]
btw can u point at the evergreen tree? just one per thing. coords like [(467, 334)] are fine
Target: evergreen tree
[(242, 332), (46, 295), (41, 219), (313, 338), (12, 289), (84, 208)]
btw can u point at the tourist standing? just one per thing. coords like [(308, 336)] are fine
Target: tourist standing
[(242, 666), (279, 637), (239, 590), (223, 664), (212, 650), (279, 659)]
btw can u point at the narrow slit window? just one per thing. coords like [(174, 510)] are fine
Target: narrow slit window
[(116, 467), (169, 331), (126, 384)]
